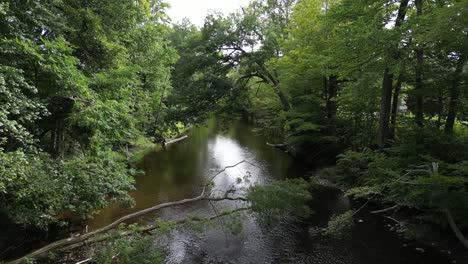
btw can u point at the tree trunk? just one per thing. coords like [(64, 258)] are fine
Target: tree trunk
[(454, 96), (56, 139), (387, 84), (395, 104), (401, 13), (276, 86), (440, 106), (332, 91), (283, 99), (385, 108), (419, 113)]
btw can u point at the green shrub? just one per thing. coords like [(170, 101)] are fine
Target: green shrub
[(290, 196), (126, 250), (37, 190)]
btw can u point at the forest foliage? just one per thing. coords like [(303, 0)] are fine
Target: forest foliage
[(377, 86), (80, 82)]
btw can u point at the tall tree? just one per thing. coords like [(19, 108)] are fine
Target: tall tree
[(387, 84), (249, 39)]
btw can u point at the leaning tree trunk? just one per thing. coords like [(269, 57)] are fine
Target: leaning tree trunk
[(283, 99), (276, 86)]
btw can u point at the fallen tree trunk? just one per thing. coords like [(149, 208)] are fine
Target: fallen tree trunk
[(42, 252), (153, 227), (150, 228), (85, 237), (385, 210), (282, 147), (174, 141), (276, 145)]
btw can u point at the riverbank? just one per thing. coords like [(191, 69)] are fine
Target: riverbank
[(180, 171), (143, 146), (423, 239)]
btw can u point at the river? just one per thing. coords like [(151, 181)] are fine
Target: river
[(182, 169)]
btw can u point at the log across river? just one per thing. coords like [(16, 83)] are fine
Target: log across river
[(180, 171)]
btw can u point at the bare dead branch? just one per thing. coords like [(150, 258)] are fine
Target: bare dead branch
[(175, 140), (396, 206), (67, 242)]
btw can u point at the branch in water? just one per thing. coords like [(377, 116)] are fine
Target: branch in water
[(150, 228), (396, 206), (174, 140), (87, 236), (455, 228)]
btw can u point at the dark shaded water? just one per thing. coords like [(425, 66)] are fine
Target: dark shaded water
[(182, 169)]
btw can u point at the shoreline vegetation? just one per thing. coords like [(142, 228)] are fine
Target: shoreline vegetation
[(378, 89), (396, 218)]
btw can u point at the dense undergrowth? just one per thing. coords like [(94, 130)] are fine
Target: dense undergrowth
[(379, 87)]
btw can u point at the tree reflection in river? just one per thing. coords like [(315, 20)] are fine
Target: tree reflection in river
[(182, 169)]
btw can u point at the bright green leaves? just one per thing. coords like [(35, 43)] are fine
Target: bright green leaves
[(79, 80), (18, 111), (58, 72), (280, 198), (107, 123), (199, 77), (139, 249), (372, 175), (37, 190), (31, 188)]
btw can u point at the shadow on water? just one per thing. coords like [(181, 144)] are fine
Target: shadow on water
[(182, 169), (180, 172)]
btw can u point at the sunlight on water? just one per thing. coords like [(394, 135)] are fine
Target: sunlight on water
[(225, 152), (181, 171)]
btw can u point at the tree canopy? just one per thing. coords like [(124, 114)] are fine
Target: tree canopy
[(376, 88)]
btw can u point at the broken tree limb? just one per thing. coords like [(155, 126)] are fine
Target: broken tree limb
[(276, 145), (84, 261), (394, 220), (362, 207), (183, 221), (149, 228), (385, 210), (85, 237), (174, 141), (223, 170), (74, 240), (282, 147), (42, 252)]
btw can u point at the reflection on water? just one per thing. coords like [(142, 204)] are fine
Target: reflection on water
[(182, 169)]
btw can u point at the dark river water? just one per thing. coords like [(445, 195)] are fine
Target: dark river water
[(181, 170)]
